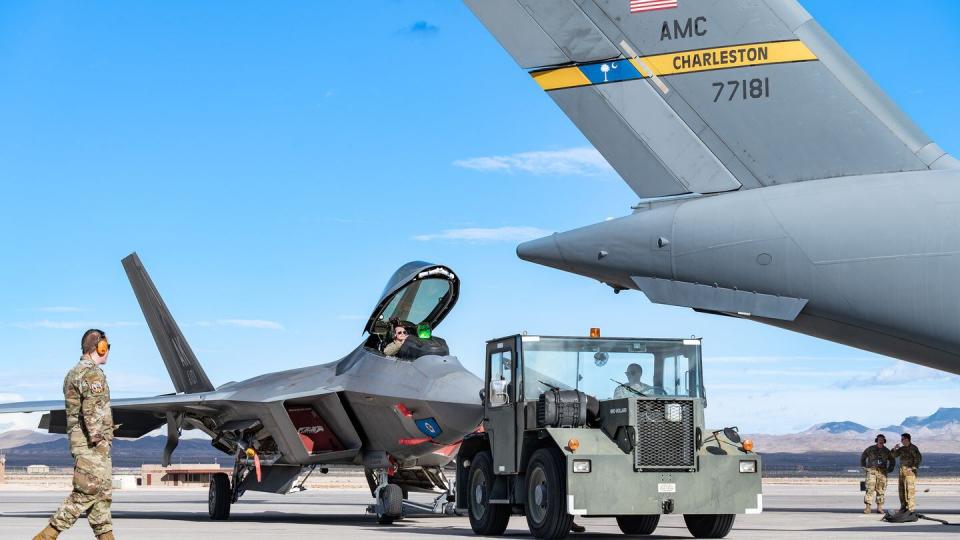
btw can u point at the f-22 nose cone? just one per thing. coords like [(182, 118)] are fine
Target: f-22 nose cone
[(545, 251)]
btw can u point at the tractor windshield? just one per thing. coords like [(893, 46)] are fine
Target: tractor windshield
[(609, 368)]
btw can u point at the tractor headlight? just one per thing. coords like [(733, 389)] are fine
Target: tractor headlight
[(748, 466), (581, 465)]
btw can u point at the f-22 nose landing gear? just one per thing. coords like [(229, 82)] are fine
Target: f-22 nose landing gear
[(389, 498)]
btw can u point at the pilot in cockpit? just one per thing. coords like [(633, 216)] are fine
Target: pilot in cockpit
[(399, 336), (633, 385)]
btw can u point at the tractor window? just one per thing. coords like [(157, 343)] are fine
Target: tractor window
[(501, 377), (612, 367)]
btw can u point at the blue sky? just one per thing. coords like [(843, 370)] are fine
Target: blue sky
[(273, 164)]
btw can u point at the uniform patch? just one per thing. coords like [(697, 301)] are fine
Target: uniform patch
[(96, 387)]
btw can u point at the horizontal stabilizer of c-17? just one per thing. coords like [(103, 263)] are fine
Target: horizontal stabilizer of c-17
[(719, 299)]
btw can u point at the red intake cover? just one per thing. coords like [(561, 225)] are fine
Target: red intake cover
[(314, 432)]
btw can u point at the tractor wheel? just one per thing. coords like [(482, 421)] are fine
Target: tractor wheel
[(485, 519), (638, 524), (709, 525), (546, 505)]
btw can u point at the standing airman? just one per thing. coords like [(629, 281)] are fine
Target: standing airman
[(90, 432), (877, 461), (910, 459)]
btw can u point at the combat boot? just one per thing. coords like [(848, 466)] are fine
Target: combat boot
[(879, 509), (49, 533), (106, 536), (867, 509)]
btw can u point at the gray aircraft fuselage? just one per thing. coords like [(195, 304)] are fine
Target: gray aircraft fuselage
[(876, 258)]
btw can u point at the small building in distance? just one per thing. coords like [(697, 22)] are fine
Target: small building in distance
[(38, 469), (3, 468), (186, 474)]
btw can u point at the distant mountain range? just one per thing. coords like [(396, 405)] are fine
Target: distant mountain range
[(20, 437), (939, 432), (126, 453)]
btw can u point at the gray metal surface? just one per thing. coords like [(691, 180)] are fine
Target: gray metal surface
[(356, 397), (572, 31), (846, 225)]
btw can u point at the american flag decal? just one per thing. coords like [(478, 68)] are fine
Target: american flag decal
[(640, 6)]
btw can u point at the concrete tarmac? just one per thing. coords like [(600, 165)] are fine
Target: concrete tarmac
[(791, 511)]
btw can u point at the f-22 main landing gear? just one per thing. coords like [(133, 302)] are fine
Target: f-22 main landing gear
[(220, 497), (225, 488)]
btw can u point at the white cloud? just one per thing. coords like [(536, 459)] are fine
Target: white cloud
[(29, 421), (477, 234), (9, 397), (899, 373), (72, 325), (790, 360), (581, 161), (251, 323), (60, 309)]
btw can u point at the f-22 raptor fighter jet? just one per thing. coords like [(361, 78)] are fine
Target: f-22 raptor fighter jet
[(401, 418), (778, 182)]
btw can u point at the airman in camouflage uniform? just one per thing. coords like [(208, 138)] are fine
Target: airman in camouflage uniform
[(910, 459), (877, 461), (90, 433)]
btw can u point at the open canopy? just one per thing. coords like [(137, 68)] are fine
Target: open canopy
[(418, 292)]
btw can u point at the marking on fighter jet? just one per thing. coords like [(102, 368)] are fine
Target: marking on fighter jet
[(429, 426), (676, 63)]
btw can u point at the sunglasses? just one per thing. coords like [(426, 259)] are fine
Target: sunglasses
[(401, 332)]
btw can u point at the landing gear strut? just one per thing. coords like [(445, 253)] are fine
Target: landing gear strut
[(389, 498)]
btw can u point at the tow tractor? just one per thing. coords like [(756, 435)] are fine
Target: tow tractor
[(601, 427)]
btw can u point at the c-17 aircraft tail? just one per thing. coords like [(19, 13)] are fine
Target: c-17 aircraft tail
[(182, 365), (779, 183), (696, 96)]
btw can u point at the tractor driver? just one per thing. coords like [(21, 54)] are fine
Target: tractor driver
[(633, 384)]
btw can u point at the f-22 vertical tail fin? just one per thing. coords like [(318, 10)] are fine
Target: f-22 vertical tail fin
[(703, 96), (182, 365)]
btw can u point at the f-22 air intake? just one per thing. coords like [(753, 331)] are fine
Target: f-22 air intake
[(778, 182)]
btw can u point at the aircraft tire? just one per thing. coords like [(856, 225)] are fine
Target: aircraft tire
[(639, 525), (709, 525), (391, 500), (485, 519), (546, 506), (220, 496)]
